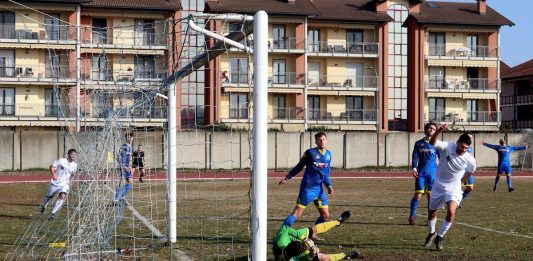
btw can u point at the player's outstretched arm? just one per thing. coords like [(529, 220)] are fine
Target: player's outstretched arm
[(488, 145), (525, 147), (294, 171), (53, 172)]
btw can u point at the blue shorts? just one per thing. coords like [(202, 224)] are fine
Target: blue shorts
[(424, 182), (306, 196), (469, 182), (505, 169), (125, 172)]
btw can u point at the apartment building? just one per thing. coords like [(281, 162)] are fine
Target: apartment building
[(87, 49), (368, 65), (517, 96)]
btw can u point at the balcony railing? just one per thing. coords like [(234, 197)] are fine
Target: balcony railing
[(34, 110), (38, 71), (46, 33), (286, 43), (518, 124), (238, 113), (471, 117), (286, 79), (343, 81), (517, 100), (343, 47), (457, 84), (157, 112), (288, 113), (123, 38), (349, 115), (461, 51)]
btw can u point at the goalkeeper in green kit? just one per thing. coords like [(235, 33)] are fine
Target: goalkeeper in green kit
[(296, 245)]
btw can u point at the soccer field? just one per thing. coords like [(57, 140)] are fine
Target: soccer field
[(213, 219)]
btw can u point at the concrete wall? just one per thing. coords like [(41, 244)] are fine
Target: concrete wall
[(231, 150)]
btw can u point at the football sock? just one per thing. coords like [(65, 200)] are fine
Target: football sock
[(496, 181), (336, 257), (57, 205), (118, 193), (509, 182), (431, 225), (323, 227), (414, 206), (319, 220), (444, 228), (127, 188), (465, 194), (289, 220)]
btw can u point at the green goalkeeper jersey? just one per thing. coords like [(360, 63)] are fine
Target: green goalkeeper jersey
[(285, 236)]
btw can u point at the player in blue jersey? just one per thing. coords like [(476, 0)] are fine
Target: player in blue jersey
[(317, 171), (424, 166), (504, 163), (126, 169)]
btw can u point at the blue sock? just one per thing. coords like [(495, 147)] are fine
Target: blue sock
[(289, 220), (319, 220), (496, 181), (127, 188), (465, 193), (509, 182), (118, 193), (414, 206)]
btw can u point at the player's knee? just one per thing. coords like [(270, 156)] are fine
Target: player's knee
[(417, 196), (325, 216), (469, 189)]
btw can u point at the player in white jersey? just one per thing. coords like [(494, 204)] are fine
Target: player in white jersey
[(455, 166), (62, 171)]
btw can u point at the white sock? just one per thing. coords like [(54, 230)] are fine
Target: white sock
[(444, 228), (57, 205), (431, 225)]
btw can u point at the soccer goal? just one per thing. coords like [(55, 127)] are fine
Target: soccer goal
[(113, 112)]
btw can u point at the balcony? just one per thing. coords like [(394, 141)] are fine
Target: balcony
[(32, 110), (287, 114), (123, 39), (343, 82), (46, 34), (155, 112), (343, 48), (526, 99), (286, 44), (240, 113), (450, 84), (23, 73), (361, 116), (286, 80), (456, 51), (517, 125), (469, 118)]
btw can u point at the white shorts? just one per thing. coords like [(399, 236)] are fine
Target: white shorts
[(53, 189), (438, 201)]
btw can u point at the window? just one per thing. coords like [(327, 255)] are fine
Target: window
[(100, 72), (472, 111), (354, 41), (472, 75), (472, 44), (313, 105), (354, 75), (7, 25), (397, 71), (278, 35), (238, 106), (52, 65), (354, 108), (51, 102), (7, 63), (145, 67), (239, 70), (313, 36), (278, 104), (99, 31), (280, 74), (437, 44), (436, 77), (437, 109), (144, 32), (51, 26), (7, 101)]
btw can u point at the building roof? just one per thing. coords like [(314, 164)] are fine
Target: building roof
[(504, 68), (349, 10), (520, 71), (279, 7), (457, 14), (170, 5)]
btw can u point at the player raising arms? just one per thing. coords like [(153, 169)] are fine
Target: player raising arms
[(504, 163), (424, 167), (454, 161), (317, 170), (62, 171)]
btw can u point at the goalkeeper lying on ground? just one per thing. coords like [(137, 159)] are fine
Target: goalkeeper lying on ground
[(296, 245)]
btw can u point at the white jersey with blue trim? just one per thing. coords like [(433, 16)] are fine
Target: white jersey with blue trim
[(64, 171), (451, 168)]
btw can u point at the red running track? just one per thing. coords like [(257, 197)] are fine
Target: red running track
[(224, 175)]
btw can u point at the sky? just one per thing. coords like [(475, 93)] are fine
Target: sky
[(516, 41)]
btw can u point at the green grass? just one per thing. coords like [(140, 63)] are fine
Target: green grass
[(213, 219)]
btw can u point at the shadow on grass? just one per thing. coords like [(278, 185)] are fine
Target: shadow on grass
[(16, 217)]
